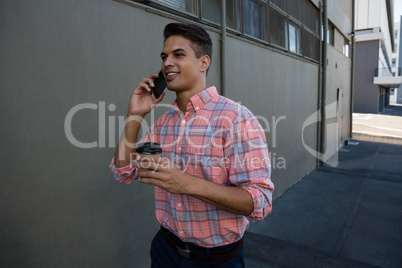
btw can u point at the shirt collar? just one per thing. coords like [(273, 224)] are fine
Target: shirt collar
[(200, 99)]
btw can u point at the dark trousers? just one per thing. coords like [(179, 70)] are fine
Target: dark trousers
[(164, 256)]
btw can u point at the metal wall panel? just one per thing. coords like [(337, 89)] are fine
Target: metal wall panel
[(60, 205)]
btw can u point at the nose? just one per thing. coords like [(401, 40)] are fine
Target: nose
[(168, 62)]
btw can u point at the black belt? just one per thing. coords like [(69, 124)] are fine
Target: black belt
[(201, 254)]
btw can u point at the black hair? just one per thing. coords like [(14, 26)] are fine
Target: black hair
[(201, 42)]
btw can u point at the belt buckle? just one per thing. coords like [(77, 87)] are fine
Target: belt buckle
[(183, 252)]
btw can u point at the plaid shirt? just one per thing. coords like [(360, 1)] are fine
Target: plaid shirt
[(217, 140)]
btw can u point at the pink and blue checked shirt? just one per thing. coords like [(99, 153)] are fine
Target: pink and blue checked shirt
[(217, 140)]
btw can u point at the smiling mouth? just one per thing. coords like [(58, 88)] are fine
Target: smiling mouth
[(171, 75)]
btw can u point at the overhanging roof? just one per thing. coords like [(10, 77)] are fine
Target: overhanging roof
[(388, 81)]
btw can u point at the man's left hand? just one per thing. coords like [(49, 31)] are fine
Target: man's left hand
[(162, 173)]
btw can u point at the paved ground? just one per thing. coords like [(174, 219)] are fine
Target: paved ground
[(385, 127), (348, 216)]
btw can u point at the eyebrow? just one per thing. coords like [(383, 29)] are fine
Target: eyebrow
[(174, 51)]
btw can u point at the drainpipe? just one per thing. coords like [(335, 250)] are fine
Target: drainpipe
[(223, 48), (324, 83), (352, 71), (319, 85)]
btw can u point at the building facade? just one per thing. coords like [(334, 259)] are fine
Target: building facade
[(396, 95), (375, 42), (68, 69), (395, 64)]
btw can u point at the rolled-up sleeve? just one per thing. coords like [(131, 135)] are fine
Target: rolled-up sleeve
[(250, 166), (129, 173), (125, 174)]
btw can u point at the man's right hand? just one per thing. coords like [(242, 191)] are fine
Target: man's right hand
[(141, 101)]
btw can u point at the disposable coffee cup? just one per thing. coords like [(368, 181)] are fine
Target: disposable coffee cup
[(151, 150)]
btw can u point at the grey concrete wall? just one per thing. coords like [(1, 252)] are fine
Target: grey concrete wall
[(340, 13), (366, 96), (338, 91), (59, 203), (283, 91), (60, 206)]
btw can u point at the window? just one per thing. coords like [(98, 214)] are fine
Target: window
[(278, 28), (211, 11), (295, 10), (189, 6), (281, 4), (294, 38), (393, 62), (254, 18), (310, 45), (291, 25), (233, 14), (331, 34), (346, 48), (311, 17)]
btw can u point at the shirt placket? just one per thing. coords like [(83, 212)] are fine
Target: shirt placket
[(181, 153)]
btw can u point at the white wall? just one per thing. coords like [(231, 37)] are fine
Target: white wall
[(371, 15), (368, 14)]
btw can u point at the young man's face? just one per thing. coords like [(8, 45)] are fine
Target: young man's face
[(182, 69)]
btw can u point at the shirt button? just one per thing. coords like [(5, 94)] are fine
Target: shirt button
[(184, 121), (197, 108), (179, 205), (179, 148), (181, 232)]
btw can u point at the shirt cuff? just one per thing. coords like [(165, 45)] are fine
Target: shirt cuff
[(262, 202), (126, 174)]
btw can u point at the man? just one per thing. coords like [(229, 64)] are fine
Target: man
[(214, 170)]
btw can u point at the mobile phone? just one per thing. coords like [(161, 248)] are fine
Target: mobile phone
[(160, 85)]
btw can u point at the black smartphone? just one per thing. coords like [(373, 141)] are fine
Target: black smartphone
[(160, 85)]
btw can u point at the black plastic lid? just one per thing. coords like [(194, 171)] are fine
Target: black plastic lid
[(149, 148)]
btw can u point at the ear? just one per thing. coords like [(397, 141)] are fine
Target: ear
[(205, 62)]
